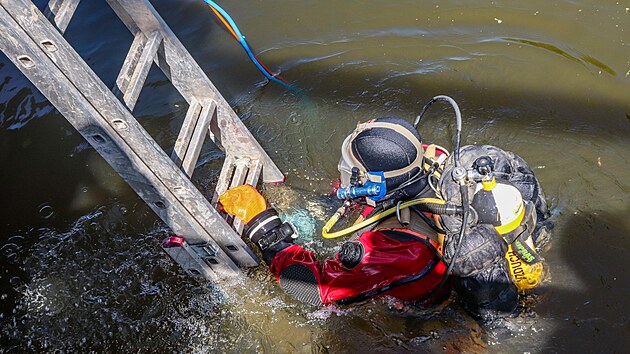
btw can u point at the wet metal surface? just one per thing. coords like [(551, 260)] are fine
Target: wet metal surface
[(81, 267)]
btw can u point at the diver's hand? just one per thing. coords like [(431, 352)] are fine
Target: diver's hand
[(244, 202), (262, 226)]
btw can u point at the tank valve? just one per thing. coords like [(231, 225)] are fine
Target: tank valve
[(484, 165), (459, 174)]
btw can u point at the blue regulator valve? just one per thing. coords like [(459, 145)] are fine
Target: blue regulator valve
[(374, 188)]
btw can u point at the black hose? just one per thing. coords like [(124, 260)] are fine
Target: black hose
[(427, 220), (441, 209), (458, 117), (464, 191)]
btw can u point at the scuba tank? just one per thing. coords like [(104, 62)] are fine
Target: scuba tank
[(500, 204)]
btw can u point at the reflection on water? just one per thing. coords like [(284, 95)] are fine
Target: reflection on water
[(552, 48), (18, 103), (81, 264)]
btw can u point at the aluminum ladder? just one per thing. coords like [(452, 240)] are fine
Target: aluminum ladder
[(207, 245)]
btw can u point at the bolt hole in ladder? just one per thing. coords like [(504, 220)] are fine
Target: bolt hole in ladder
[(206, 245)]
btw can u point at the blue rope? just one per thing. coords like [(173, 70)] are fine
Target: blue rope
[(227, 17)]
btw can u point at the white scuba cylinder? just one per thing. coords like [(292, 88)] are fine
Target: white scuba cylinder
[(500, 204)]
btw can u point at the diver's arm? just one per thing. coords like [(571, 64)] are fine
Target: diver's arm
[(396, 262), (298, 272), (296, 269)]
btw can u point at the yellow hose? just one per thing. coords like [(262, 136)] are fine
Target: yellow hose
[(333, 219)]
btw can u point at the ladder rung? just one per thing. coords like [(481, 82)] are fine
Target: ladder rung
[(255, 168), (60, 12), (241, 166), (192, 135), (136, 67), (185, 133), (224, 178), (236, 172), (253, 174), (131, 60)]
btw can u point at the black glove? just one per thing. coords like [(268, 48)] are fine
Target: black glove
[(270, 234)]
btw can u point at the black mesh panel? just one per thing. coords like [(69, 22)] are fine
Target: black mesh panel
[(300, 282)]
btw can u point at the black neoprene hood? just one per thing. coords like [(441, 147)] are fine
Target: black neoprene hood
[(383, 149)]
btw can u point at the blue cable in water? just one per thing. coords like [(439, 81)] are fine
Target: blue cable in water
[(241, 39)]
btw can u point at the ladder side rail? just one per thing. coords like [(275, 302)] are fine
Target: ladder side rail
[(191, 81), (187, 212)]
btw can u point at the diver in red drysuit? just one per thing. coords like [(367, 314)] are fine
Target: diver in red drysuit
[(404, 261)]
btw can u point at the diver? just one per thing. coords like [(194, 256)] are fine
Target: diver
[(431, 221)]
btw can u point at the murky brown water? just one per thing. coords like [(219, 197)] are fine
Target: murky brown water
[(81, 265)]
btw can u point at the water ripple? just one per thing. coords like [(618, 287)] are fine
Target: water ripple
[(579, 58)]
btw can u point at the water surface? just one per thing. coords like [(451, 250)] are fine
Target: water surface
[(81, 265)]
